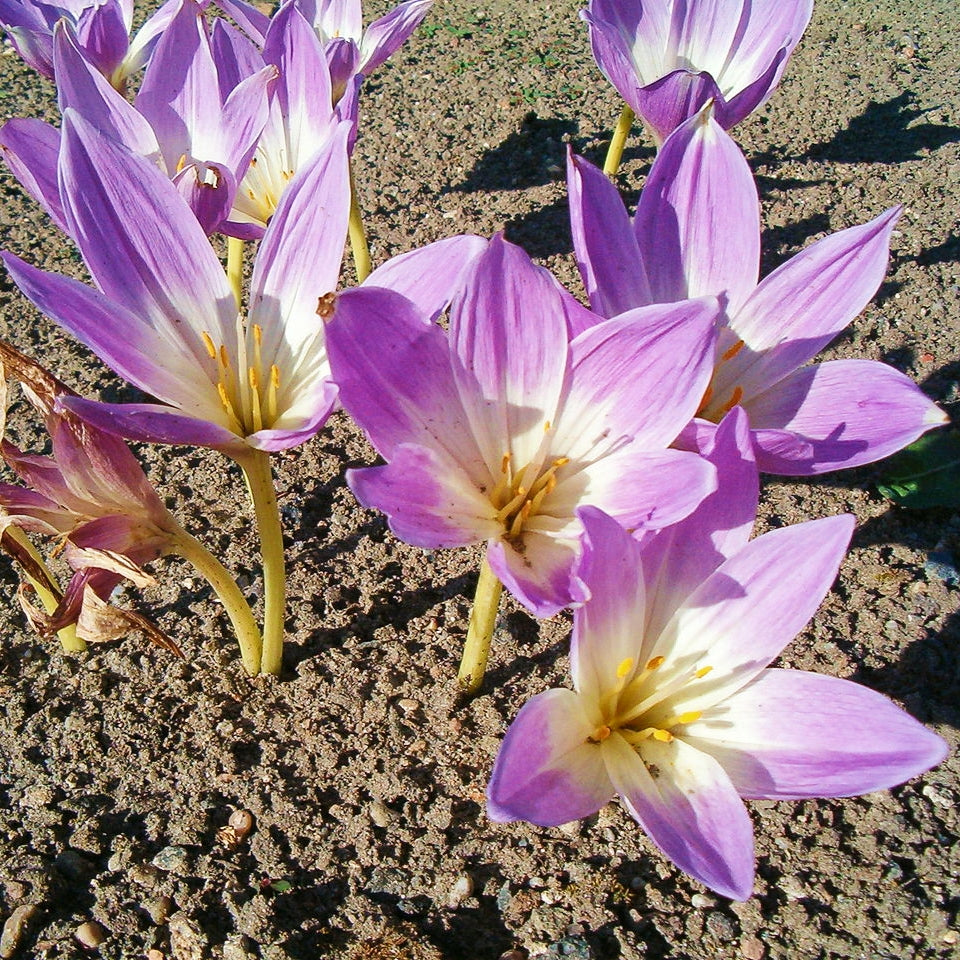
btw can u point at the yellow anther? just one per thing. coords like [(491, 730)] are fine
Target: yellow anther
[(560, 462), (181, 163), (257, 334), (626, 665), (735, 398), (252, 378), (733, 351), (272, 392), (325, 305), (208, 343), (664, 736), (546, 426), (702, 672), (505, 463), (654, 662), (600, 734)]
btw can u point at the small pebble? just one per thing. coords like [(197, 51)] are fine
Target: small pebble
[(171, 859), (461, 890), (155, 955), (703, 902), (241, 822), (90, 935), (408, 705), (15, 928), (513, 955), (752, 948), (380, 814), (721, 926), (186, 940), (159, 909)]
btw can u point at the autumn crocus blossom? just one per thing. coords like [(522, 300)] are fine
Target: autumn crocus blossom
[(102, 28), (667, 58), (673, 706), (165, 317), (697, 232), (499, 430)]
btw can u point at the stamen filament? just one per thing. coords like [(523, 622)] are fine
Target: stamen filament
[(658, 696)]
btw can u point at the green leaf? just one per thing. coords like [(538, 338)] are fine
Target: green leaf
[(925, 474), (280, 886)]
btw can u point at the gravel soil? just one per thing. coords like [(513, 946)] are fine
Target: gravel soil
[(362, 769)]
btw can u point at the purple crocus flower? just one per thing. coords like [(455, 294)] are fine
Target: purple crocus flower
[(672, 707), (201, 132), (667, 58), (498, 431), (91, 492), (164, 316), (350, 50), (697, 232), (102, 28)]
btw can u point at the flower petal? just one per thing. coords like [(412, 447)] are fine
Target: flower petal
[(638, 376), (608, 627), (538, 570), (800, 307), (395, 378), (430, 276), (385, 35), (546, 772), (152, 423), (689, 808), (508, 330), (789, 735), (429, 501), (698, 221), (844, 413), (750, 608), (141, 243), (604, 242), (30, 149), (670, 100)]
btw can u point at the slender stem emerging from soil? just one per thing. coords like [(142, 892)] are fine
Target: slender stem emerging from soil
[(483, 618), (46, 587), (225, 587), (615, 151), (358, 236), (258, 472), (235, 268)]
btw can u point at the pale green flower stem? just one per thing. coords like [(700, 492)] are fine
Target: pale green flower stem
[(358, 236), (235, 268), (483, 618), (237, 609), (615, 151), (259, 476), (49, 593)]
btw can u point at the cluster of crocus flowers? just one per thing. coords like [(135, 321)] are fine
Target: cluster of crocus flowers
[(667, 58), (606, 457), (674, 708), (696, 232)]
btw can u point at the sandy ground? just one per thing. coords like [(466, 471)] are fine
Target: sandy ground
[(362, 769)]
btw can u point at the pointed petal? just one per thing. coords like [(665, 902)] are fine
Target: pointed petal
[(429, 501), (254, 23), (298, 424), (789, 735), (538, 569), (141, 243), (430, 276), (677, 559), (127, 344), (638, 376), (546, 772), (690, 810), (740, 105), (606, 249), (299, 257), (508, 330), (103, 34), (81, 87), (395, 380), (637, 487), (385, 35), (804, 304), (30, 149), (698, 222), (844, 413), (608, 628), (611, 27), (236, 57), (152, 423), (751, 607)]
